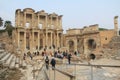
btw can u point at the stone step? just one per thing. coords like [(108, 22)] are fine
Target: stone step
[(7, 63), (24, 65), (2, 55), (12, 65), (20, 63), (1, 50), (6, 57), (17, 63), (17, 66)]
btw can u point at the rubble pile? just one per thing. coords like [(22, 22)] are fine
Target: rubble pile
[(113, 48), (114, 43), (8, 74)]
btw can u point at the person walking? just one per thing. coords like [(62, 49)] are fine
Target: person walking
[(69, 57), (53, 62), (47, 62)]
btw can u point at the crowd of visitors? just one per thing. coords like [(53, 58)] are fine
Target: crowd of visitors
[(52, 61)]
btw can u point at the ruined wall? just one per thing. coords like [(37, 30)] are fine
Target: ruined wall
[(6, 41), (74, 31), (106, 36), (77, 39)]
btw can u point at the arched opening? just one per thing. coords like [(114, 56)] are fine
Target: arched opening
[(92, 56), (71, 46), (91, 44)]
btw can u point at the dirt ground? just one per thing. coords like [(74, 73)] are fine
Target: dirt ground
[(7, 74)]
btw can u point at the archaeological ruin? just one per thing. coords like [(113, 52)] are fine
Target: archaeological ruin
[(40, 30)]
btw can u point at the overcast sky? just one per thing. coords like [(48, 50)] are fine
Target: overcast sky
[(76, 13)]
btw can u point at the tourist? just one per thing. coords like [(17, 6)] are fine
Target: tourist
[(37, 53), (24, 56), (75, 53), (43, 53), (53, 62), (47, 62), (69, 57), (55, 54)]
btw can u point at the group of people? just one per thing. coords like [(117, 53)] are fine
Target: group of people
[(52, 62), (57, 55)]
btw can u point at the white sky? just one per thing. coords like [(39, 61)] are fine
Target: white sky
[(76, 13)]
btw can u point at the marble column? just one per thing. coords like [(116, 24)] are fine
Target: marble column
[(25, 41)]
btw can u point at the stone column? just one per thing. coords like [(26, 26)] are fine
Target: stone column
[(46, 37), (51, 22), (116, 26), (25, 41), (24, 19), (57, 22), (61, 40), (46, 31), (46, 21), (18, 39), (51, 39), (38, 40), (33, 23), (18, 19), (75, 49), (38, 20), (85, 48), (60, 21), (33, 46), (57, 40)]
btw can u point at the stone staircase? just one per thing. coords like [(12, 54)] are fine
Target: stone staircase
[(11, 61)]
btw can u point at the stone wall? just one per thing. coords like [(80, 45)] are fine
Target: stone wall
[(106, 36), (6, 41)]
